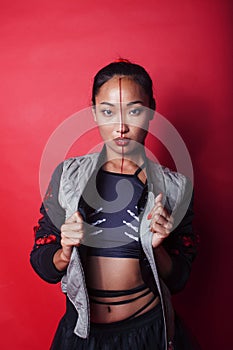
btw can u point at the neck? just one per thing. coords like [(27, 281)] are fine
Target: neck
[(124, 165)]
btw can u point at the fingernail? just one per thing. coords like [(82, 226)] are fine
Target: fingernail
[(169, 226), (149, 216)]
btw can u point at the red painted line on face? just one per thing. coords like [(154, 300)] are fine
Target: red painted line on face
[(121, 125)]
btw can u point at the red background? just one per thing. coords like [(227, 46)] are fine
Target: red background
[(50, 51)]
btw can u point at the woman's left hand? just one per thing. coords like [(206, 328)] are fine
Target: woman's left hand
[(161, 222)]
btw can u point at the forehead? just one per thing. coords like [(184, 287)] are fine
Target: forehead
[(121, 88)]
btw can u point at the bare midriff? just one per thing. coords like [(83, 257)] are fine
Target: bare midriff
[(121, 274)]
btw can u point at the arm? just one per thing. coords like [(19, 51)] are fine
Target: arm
[(175, 250), (53, 245), (181, 245), (47, 233), (47, 243), (71, 235), (161, 224)]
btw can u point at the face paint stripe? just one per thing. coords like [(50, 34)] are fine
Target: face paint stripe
[(121, 125)]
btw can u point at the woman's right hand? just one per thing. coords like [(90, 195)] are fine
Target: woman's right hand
[(72, 232)]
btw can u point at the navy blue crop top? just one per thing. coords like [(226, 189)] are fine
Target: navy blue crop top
[(113, 215)]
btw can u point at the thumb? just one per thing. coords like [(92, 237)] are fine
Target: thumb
[(76, 217), (158, 198)]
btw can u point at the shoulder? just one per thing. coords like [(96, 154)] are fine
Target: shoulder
[(72, 164), (176, 186), (176, 181), (170, 177), (79, 160), (70, 167)]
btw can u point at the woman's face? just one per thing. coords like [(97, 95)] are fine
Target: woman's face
[(122, 114)]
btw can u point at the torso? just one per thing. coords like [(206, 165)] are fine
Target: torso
[(117, 272), (105, 273)]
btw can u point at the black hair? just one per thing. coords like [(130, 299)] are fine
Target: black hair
[(125, 68)]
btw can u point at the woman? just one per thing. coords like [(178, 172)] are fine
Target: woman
[(115, 226)]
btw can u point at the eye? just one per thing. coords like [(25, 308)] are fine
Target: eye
[(135, 111), (107, 112)]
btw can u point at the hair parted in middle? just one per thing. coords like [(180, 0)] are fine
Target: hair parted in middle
[(124, 67)]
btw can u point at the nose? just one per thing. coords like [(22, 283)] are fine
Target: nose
[(122, 127)]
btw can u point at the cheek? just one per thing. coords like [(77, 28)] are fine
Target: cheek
[(105, 131), (140, 124), (141, 132)]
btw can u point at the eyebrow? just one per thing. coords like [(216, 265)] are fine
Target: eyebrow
[(134, 102), (128, 104), (106, 103)]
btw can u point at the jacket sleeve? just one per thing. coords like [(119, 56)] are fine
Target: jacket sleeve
[(182, 245), (48, 234)]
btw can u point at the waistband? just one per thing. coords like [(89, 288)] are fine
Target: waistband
[(150, 316), (125, 325)]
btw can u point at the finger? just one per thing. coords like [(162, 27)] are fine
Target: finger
[(171, 219), (76, 217), (160, 211), (160, 208), (71, 243), (164, 214), (158, 202), (71, 239), (75, 226), (161, 220), (159, 229), (156, 240), (72, 234), (164, 219)]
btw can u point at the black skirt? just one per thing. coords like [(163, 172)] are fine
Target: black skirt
[(145, 332)]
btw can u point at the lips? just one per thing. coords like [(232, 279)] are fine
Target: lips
[(122, 141)]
